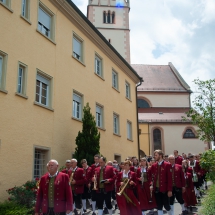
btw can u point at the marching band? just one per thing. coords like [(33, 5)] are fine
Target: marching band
[(133, 186)]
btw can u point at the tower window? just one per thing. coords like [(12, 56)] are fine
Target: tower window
[(113, 17), (108, 17), (104, 17)]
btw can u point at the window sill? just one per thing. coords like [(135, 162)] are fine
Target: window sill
[(4, 91), (43, 106), (128, 99), (4, 5), (28, 21), (46, 37), (99, 76), (130, 140), (190, 138), (79, 120), (103, 129), (116, 89), (118, 135), (21, 95), (79, 61)]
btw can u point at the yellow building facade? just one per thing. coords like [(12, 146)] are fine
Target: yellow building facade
[(52, 62)]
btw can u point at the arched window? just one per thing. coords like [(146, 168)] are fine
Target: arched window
[(104, 16), (142, 103), (189, 134), (157, 139), (108, 17), (113, 17)]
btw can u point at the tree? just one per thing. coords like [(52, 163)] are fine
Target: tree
[(88, 140), (203, 112), (207, 162)]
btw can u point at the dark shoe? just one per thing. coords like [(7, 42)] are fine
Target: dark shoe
[(206, 187), (116, 207), (85, 210), (93, 213), (105, 211), (191, 209), (75, 212)]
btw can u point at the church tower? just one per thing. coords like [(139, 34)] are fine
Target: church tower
[(111, 18)]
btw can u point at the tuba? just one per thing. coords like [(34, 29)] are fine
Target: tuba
[(95, 183), (123, 186)]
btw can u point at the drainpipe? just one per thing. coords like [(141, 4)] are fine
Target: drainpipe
[(138, 136)]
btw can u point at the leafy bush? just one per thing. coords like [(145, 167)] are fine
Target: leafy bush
[(207, 162), (12, 208), (24, 195), (208, 203)]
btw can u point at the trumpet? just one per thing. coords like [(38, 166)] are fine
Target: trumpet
[(123, 186), (71, 178), (95, 183)]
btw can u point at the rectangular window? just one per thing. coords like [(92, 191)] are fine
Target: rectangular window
[(6, 2), (98, 66), (77, 106), (129, 130), (127, 90), (115, 80), (39, 162), (43, 86), (3, 63), (25, 9), (115, 124), (77, 48), (45, 21), (22, 74), (99, 116)]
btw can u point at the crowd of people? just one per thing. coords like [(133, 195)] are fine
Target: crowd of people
[(132, 186)]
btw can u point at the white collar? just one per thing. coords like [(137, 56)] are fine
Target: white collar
[(143, 169), (74, 169), (52, 176), (160, 163), (96, 164), (125, 175), (86, 168)]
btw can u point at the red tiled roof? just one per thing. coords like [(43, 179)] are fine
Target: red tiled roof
[(160, 78)]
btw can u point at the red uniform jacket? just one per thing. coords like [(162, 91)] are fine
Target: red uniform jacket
[(108, 174), (179, 160), (179, 179), (65, 171), (80, 179), (165, 178), (93, 166), (88, 175), (196, 168), (62, 194)]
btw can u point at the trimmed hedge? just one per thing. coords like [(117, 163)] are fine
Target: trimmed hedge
[(12, 208), (208, 203)]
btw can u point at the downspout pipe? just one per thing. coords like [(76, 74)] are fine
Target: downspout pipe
[(138, 136)]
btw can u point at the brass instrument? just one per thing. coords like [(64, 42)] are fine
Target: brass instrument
[(71, 178), (123, 186), (95, 183), (38, 184)]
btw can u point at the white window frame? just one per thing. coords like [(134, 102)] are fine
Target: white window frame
[(99, 116), (7, 3), (77, 47), (116, 124), (129, 130), (77, 103), (22, 78), (127, 90), (25, 9), (44, 27), (3, 70), (114, 79), (98, 66)]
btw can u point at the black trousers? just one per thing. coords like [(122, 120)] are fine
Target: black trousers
[(102, 197), (93, 195), (162, 200), (51, 212), (77, 200), (176, 193), (113, 194), (86, 194)]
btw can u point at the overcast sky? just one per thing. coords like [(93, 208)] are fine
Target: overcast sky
[(177, 31)]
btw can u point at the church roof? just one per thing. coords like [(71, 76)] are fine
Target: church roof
[(161, 78), (164, 115)]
